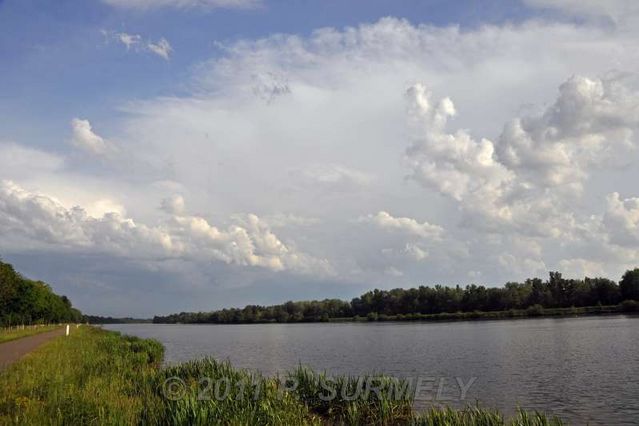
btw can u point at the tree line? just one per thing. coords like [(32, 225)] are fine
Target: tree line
[(97, 319), (533, 294), (24, 301)]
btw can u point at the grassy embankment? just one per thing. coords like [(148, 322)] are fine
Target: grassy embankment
[(12, 333), (100, 377)]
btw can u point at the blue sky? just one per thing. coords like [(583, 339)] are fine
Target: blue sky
[(168, 155), (55, 60)]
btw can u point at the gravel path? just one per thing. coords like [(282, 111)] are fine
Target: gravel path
[(13, 350)]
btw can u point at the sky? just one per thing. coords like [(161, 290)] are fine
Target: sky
[(159, 156)]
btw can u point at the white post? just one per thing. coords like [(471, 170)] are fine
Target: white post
[(67, 329)]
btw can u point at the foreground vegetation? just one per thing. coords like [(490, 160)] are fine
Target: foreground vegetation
[(24, 301), (91, 376), (100, 377), (12, 333), (534, 297)]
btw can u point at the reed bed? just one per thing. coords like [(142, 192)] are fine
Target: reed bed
[(477, 416)]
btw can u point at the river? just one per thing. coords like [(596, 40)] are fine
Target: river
[(585, 370)]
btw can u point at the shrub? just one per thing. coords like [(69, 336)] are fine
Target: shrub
[(535, 310), (630, 306)]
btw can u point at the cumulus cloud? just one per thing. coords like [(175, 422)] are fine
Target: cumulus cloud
[(173, 205), (85, 138), (453, 163), (405, 224), (38, 220), (343, 93), (622, 220), (592, 121), (316, 125), (530, 177), (184, 4)]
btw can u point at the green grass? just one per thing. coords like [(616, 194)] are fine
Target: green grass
[(102, 378), (369, 400), (8, 334), (476, 416), (251, 398), (89, 377)]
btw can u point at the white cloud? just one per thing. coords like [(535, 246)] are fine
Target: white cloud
[(17, 161), (183, 4), (454, 164), (415, 252), (338, 99), (521, 266), (405, 224), (37, 220), (622, 220), (332, 176), (129, 40), (162, 48), (173, 205), (85, 138), (280, 220), (579, 268), (591, 122), (529, 179), (316, 125), (104, 206)]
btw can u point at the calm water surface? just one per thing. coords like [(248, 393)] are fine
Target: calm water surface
[(585, 370)]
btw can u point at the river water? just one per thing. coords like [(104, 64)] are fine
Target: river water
[(585, 370)]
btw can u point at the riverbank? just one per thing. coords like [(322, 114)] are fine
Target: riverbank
[(101, 377), (535, 311), (630, 307)]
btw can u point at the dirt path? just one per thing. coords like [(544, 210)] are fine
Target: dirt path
[(13, 350)]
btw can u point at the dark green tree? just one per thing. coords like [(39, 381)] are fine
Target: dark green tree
[(629, 285)]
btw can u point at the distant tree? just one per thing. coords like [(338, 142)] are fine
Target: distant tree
[(603, 291), (535, 295), (629, 285)]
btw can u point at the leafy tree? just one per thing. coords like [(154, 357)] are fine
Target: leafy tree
[(629, 285), (23, 301), (534, 294)]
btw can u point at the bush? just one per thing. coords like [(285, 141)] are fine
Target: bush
[(630, 306), (535, 310)]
